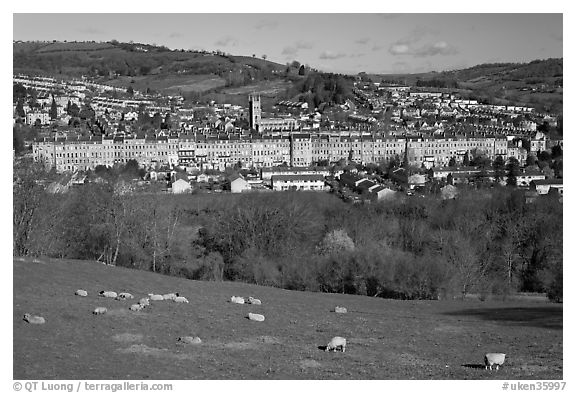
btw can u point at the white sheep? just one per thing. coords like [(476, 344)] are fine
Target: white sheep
[(124, 295), (190, 340), (81, 292), (335, 343), (252, 300), (100, 310), (491, 359), (237, 299), (340, 310), (255, 317), (181, 299), (144, 301), (170, 296), (34, 319), (155, 297), (111, 294), (136, 307)]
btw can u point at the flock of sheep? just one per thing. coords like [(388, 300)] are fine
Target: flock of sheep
[(335, 344)]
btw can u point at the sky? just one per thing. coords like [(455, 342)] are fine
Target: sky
[(338, 42)]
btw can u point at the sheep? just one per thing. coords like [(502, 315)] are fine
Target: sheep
[(144, 301), (111, 294), (170, 296), (190, 340), (136, 307), (180, 299), (34, 319), (252, 300), (255, 317), (155, 297), (335, 343), (81, 292), (237, 299), (124, 295), (340, 310), (100, 310), (491, 359)]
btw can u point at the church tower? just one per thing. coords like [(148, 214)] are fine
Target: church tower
[(255, 111)]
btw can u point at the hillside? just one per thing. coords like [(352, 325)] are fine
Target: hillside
[(387, 339), (142, 66), (538, 83)]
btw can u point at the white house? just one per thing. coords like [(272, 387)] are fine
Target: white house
[(181, 186), (543, 187), (381, 193), (297, 182), (239, 184)]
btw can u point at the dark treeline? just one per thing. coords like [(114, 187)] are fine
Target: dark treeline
[(317, 88), (485, 242)]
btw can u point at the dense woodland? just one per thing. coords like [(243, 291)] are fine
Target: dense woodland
[(488, 242)]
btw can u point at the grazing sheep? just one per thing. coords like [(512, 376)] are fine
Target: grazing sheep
[(81, 292), (252, 300), (190, 340), (170, 296), (335, 343), (100, 310), (491, 359), (155, 297), (108, 294), (136, 307), (181, 299), (124, 295), (340, 310), (255, 317), (144, 301), (237, 299), (34, 319)]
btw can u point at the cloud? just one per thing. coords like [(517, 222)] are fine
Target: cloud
[(441, 48), (266, 24), (227, 41), (556, 37), (289, 50), (328, 55), (362, 41), (175, 35), (304, 45), (292, 50)]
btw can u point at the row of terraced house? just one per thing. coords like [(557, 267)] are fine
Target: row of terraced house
[(296, 149)]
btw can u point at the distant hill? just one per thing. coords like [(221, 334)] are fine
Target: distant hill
[(538, 83), (142, 64)]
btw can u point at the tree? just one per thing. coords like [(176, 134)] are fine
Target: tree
[(302, 70), (17, 141), (157, 120), (264, 57), (556, 151), (27, 199), (466, 160), (130, 91), (53, 109), (19, 92), (452, 161), (513, 170), (530, 160), (336, 242), (498, 166)]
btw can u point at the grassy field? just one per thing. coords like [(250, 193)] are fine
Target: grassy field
[(171, 84), (387, 339)]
